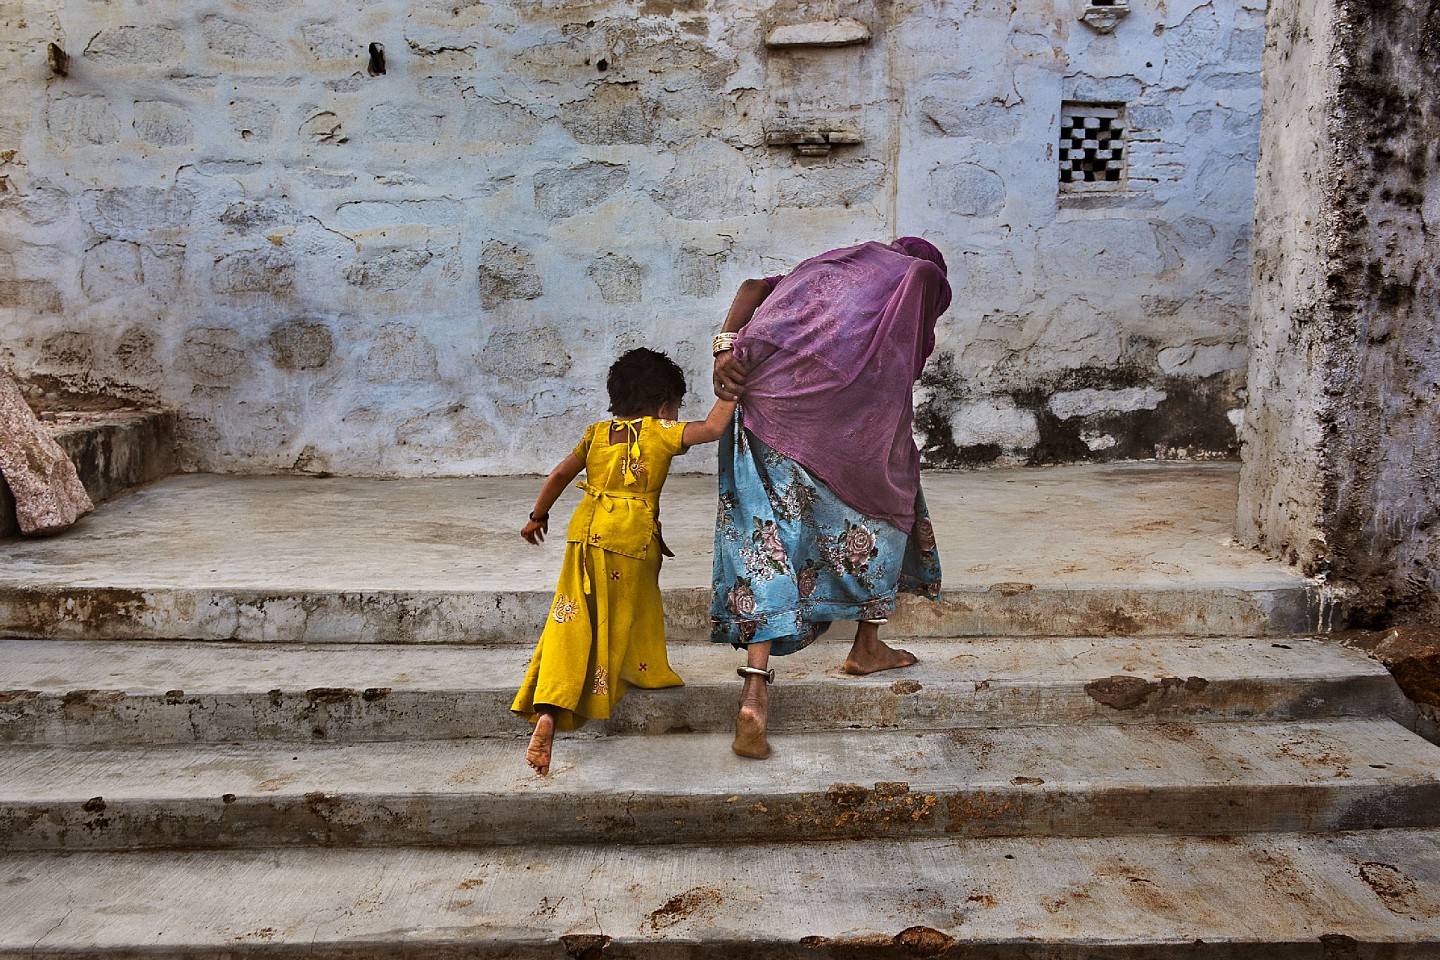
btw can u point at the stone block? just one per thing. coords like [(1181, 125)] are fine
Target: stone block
[(488, 120), (236, 41), (507, 273), (993, 122), (562, 192), (525, 354), (215, 355), (967, 190), (137, 213), (260, 216), (401, 123), (1202, 360), (323, 127), (614, 113), (699, 272), (710, 181), (47, 491), (254, 119), (162, 124), (388, 271), (266, 270), (39, 204), (617, 277), (1088, 402), (31, 296), (1191, 44), (136, 355), (326, 41), (301, 345), (111, 267), (835, 184), (380, 214), (841, 32), (995, 422), (149, 47), (70, 350), (400, 353), (82, 120)]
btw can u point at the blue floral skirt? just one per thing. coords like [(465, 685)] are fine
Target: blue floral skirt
[(791, 557)]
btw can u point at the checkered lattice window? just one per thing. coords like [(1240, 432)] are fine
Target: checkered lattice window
[(1092, 144)]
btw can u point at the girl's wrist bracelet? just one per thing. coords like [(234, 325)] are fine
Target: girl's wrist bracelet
[(543, 518)]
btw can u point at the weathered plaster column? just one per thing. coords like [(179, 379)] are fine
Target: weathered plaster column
[(1340, 434)]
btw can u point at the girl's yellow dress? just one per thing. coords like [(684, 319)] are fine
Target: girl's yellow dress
[(606, 628)]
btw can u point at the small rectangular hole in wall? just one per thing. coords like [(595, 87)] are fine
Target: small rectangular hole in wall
[(1092, 146)]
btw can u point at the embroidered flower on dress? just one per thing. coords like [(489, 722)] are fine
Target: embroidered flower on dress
[(564, 609), (807, 578), (602, 682), (859, 544), (740, 600), (668, 424), (925, 535), (770, 542)]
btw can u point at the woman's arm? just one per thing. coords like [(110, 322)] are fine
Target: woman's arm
[(565, 471), (729, 376), (710, 429)]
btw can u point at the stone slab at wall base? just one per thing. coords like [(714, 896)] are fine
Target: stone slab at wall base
[(112, 451), (1340, 436), (1412, 655)]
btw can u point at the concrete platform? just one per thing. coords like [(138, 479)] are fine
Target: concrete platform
[(131, 692), (1368, 894), (1096, 780), (1095, 550)]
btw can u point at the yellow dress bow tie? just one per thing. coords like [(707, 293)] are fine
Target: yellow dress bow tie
[(632, 447)]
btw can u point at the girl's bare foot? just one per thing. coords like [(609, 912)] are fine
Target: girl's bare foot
[(538, 753), (870, 655), (750, 740)]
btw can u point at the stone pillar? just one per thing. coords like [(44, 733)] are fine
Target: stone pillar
[(1340, 433)]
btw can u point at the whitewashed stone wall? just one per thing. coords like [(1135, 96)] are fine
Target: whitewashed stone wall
[(1342, 441), (427, 271)]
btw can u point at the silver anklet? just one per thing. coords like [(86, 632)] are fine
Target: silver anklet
[(745, 672), (878, 621)]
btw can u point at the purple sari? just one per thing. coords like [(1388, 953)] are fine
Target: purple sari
[(834, 353)]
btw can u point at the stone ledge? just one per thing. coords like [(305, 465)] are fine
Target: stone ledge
[(112, 450)]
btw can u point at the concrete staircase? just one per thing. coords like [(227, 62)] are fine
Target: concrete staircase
[(1072, 797)]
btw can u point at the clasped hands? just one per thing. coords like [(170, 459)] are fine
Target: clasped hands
[(729, 377)]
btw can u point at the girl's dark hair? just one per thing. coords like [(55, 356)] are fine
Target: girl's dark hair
[(642, 380)]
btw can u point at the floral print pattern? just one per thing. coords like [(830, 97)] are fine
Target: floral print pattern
[(791, 557)]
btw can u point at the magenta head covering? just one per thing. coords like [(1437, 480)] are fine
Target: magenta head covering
[(834, 353), (921, 249)]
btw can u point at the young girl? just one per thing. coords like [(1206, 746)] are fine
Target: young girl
[(606, 628)]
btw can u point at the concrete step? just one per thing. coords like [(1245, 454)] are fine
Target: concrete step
[(1121, 549), (1201, 779), (81, 692), (1367, 894), (113, 450)]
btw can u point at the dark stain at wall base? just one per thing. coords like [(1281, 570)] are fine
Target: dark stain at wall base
[(1191, 423)]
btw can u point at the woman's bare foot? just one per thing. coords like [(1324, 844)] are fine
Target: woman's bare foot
[(870, 655), (538, 753), (750, 740)]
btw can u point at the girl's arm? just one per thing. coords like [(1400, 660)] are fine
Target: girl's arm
[(565, 471), (729, 377), (712, 427)]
